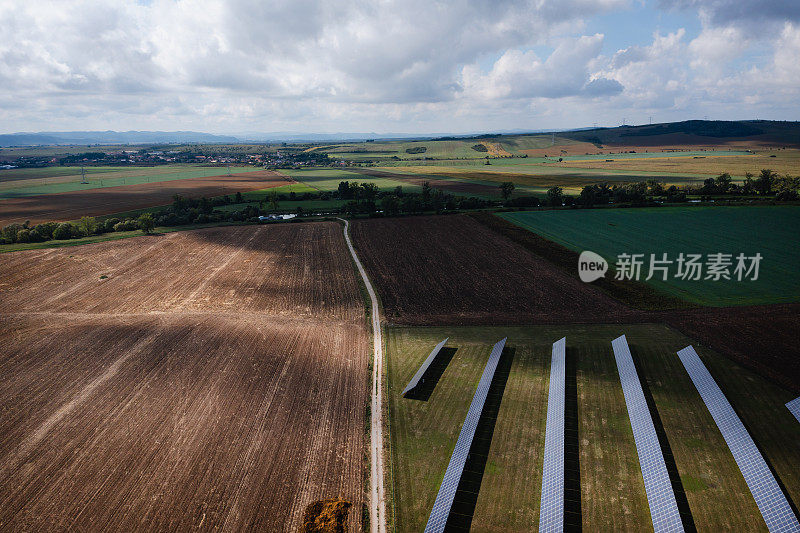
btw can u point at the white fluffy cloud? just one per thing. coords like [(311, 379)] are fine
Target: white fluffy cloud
[(413, 65)]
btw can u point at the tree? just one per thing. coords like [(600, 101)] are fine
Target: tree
[(88, 225), (273, 200), (764, 181), (749, 185), (507, 188), (369, 191), (723, 183), (656, 189), (390, 204), (426, 192), (588, 196), (178, 202), (555, 196), (239, 198), (146, 223), (63, 231), (344, 190)]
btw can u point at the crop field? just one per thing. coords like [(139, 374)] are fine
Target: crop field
[(767, 230), (453, 270), (196, 380), (533, 177), (53, 180), (108, 200), (329, 179), (711, 163), (612, 496)]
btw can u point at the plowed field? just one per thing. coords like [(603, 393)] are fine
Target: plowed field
[(214, 379), (454, 270), (94, 202)]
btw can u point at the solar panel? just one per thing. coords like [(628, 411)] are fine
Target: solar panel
[(421, 372), (551, 515), (794, 408), (660, 497), (452, 476), (770, 499)]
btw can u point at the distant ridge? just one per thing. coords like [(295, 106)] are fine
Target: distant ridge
[(700, 130), (56, 138)]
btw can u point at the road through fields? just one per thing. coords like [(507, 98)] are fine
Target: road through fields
[(377, 504)]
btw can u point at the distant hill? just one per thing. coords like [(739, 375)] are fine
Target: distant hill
[(693, 132), (110, 137)]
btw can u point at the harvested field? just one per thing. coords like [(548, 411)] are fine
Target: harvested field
[(216, 379), (463, 188), (453, 270), (763, 338), (95, 202)]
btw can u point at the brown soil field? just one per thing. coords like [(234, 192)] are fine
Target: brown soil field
[(94, 202), (783, 162), (453, 270), (456, 270), (762, 338), (451, 186), (215, 379)]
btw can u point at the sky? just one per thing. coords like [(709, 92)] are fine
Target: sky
[(386, 66)]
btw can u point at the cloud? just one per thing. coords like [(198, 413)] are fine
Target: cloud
[(227, 65), (522, 74)]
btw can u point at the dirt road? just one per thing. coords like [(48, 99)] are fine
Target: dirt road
[(377, 504)]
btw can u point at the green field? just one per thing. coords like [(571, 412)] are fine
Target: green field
[(328, 179), (423, 433), (56, 181), (651, 155), (768, 230)]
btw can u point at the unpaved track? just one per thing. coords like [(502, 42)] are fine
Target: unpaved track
[(377, 506)]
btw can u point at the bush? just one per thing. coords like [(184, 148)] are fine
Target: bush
[(126, 225), (24, 235), (35, 236), (63, 231), (146, 223), (9, 233), (109, 223), (46, 230)]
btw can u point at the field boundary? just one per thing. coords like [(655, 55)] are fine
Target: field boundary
[(636, 295)]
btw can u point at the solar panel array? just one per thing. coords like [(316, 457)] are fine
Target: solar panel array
[(657, 485), (551, 515), (770, 499), (794, 408), (452, 476), (421, 372)]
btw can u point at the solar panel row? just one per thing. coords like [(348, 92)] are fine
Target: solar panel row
[(424, 368), (452, 476), (771, 501), (551, 515), (794, 408), (658, 487)]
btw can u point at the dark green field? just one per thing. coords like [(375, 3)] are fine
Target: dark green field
[(768, 230), (423, 433)]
